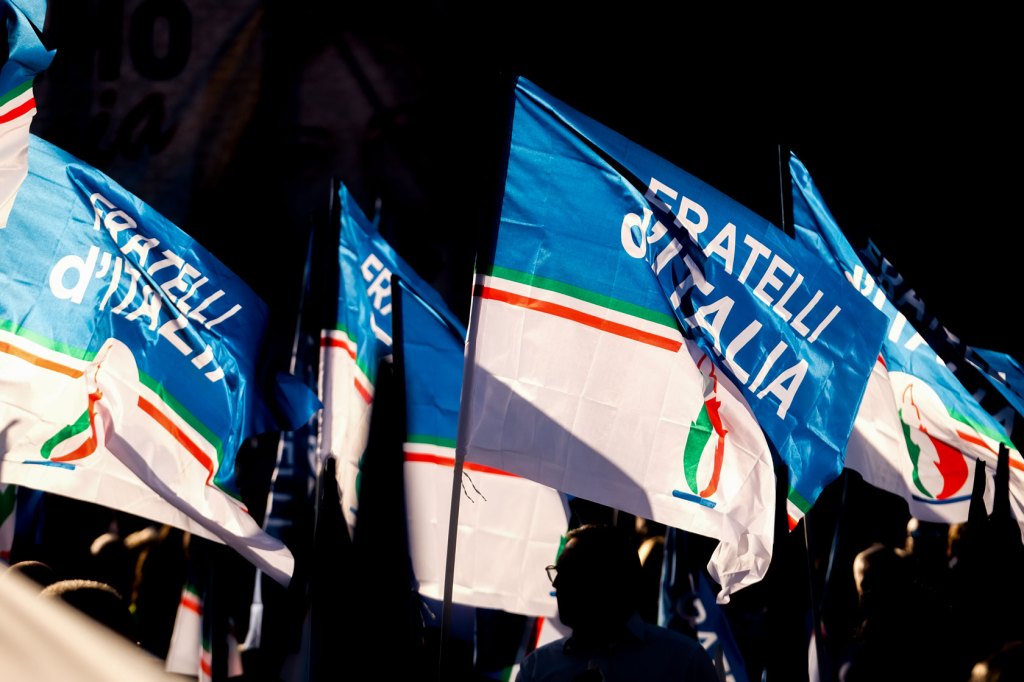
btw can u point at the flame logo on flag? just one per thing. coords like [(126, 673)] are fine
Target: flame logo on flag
[(928, 454), (705, 430)]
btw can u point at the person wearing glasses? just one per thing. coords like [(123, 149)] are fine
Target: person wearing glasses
[(597, 584)]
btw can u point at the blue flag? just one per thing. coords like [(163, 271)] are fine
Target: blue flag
[(137, 354), (687, 604), (921, 425), (360, 340), (1003, 371), (772, 315), (25, 57)]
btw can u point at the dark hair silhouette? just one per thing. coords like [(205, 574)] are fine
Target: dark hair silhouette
[(598, 579), (97, 600), (40, 573)]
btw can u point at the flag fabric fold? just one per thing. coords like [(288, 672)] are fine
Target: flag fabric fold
[(509, 527), (129, 359), (26, 57), (918, 431), (360, 340), (580, 374)]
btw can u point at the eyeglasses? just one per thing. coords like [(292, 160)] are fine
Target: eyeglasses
[(552, 571)]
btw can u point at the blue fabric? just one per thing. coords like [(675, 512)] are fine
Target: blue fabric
[(89, 261), (590, 213)]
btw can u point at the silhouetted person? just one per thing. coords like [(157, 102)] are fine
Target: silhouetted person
[(110, 562), (904, 634), (159, 575), (1005, 665), (97, 600), (40, 573), (597, 582)]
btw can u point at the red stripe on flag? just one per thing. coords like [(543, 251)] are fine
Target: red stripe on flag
[(39, 361), (792, 522), (450, 462), (577, 316), (205, 666), (17, 111), (362, 391), (192, 604), (178, 435), (970, 438), (327, 341)]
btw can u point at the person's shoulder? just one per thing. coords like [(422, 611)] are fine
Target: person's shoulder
[(657, 634), (683, 651), (543, 658)]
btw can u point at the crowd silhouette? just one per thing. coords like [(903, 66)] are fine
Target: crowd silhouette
[(927, 601)]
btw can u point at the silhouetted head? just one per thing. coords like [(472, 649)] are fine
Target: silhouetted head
[(40, 573), (598, 579), (927, 540), (1005, 665), (879, 573), (97, 600)]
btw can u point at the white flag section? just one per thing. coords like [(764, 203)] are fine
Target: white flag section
[(25, 58), (879, 449), (188, 653), (42, 394), (184, 653), (509, 529), (616, 409)]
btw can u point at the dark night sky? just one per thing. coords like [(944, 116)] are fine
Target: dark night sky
[(907, 126), (909, 132)]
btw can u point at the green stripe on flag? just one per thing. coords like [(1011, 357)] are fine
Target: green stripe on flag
[(8, 496), (69, 431), (431, 440), (14, 92), (77, 353), (983, 429), (582, 294), (371, 376), (169, 400), (798, 500)]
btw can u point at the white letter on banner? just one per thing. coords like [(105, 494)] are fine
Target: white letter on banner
[(766, 367), (631, 222), (96, 209), (370, 267), (757, 249), (769, 278), (118, 222), (695, 277), (687, 205), (169, 330), (795, 375), (652, 194), (780, 306), (726, 236), (82, 269), (150, 307), (140, 245), (379, 290), (736, 345), (133, 284), (712, 317)]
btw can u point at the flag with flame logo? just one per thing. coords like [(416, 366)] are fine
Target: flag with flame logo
[(579, 376), (918, 431), (128, 360)]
